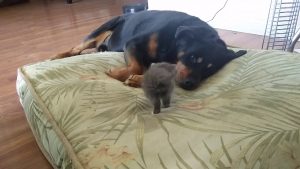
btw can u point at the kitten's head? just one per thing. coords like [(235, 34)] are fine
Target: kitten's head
[(159, 78)]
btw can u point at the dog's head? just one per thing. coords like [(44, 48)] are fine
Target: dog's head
[(200, 53)]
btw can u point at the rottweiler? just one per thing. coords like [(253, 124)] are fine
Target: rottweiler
[(160, 36)]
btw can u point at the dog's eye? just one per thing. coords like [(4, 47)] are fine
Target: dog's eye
[(180, 54), (197, 60)]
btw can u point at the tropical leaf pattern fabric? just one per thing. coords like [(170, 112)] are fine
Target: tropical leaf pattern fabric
[(245, 116)]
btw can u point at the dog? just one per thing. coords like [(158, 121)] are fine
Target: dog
[(158, 84), (160, 36)]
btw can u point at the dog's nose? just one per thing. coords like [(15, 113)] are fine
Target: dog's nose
[(188, 84)]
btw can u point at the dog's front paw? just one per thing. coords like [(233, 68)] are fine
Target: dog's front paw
[(118, 73), (156, 110), (134, 81)]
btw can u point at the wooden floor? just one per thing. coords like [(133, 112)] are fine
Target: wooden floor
[(35, 31)]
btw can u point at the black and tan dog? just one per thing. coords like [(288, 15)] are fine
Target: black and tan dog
[(160, 36)]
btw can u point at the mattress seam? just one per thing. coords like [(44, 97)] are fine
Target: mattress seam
[(71, 153), (42, 149)]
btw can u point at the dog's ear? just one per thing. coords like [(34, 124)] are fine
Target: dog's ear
[(184, 31), (230, 53), (222, 48), (203, 32)]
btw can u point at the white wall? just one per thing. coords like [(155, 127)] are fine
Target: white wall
[(248, 16)]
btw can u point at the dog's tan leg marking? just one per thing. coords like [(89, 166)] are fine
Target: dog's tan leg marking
[(152, 45), (102, 37), (88, 51), (124, 73)]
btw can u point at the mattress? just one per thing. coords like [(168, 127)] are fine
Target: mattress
[(245, 116)]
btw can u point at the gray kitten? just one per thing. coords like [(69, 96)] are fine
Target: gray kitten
[(158, 84)]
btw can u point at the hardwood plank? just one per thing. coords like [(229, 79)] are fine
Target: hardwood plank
[(29, 33), (239, 39)]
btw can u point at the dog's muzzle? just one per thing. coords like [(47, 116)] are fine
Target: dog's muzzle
[(183, 77)]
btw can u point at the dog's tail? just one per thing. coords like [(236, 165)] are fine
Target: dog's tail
[(107, 26)]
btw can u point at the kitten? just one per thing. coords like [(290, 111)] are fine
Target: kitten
[(158, 84)]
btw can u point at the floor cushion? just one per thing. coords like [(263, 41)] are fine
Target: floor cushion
[(245, 116)]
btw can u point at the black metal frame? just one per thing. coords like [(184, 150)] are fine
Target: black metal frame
[(295, 39), (281, 26)]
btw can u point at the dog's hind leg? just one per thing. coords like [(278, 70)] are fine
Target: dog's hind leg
[(90, 44), (76, 50), (94, 39)]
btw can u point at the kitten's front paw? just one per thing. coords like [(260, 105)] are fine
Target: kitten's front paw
[(156, 111)]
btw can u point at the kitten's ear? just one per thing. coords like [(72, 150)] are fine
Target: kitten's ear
[(172, 68)]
